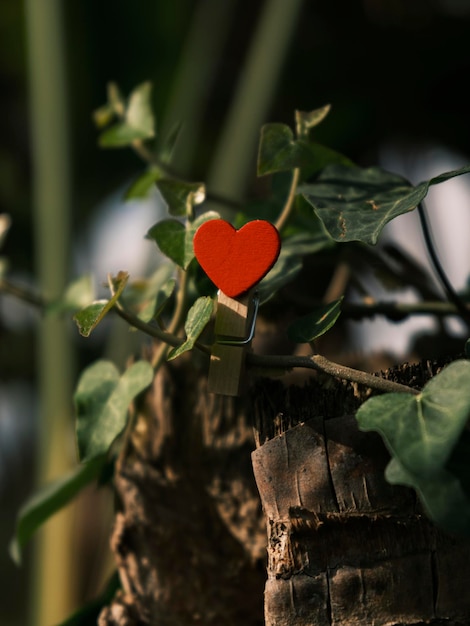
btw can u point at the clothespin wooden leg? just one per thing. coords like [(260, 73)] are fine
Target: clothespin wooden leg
[(234, 328)]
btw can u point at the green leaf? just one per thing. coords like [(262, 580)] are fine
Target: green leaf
[(422, 433), (284, 271), (88, 615), (169, 235), (139, 110), (309, 327), (289, 262), (103, 115), (50, 499), (181, 196), (279, 151), (199, 316), (442, 496), (355, 204), (175, 240), (102, 399), (138, 120), (305, 121), (147, 297), (79, 294), (88, 318), (141, 186), (422, 430)]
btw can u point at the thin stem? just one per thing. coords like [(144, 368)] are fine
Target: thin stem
[(177, 320), (22, 293), (287, 209), (321, 364), (451, 293)]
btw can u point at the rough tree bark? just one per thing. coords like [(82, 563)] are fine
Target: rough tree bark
[(344, 547), (189, 537)]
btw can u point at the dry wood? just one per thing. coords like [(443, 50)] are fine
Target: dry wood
[(345, 548), (189, 538)]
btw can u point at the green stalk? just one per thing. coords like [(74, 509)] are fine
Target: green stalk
[(234, 155), (53, 569)]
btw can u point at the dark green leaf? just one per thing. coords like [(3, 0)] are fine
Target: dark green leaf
[(88, 318), (309, 327), (147, 297), (279, 151), (50, 499), (283, 272), (102, 400), (180, 196), (442, 496), (88, 614), (355, 204), (138, 120), (306, 120), (176, 240), (142, 185), (199, 316), (422, 433), (169, 235), (422, 430)]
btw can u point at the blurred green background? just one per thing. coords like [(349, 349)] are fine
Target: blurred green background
[(394, 71)]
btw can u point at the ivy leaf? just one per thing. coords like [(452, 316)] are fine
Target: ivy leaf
[(309, 327), (147, 297), (88, 318), (142, 185), (198, 317), (422, 434), (169, 235), (442, 496), (50, 499), (181, 196), (102, 399), (306, 120), (78, 294), (279, 151), (138, 120), (175, 240), (355, 204), (284, 271), (88, 615), (289, 262)]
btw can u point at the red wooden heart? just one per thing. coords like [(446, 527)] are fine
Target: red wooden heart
[(235, 260)]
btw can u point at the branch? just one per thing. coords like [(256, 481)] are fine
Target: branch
[(22, 293), (321, 364)]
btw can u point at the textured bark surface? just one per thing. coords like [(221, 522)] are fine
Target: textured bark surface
[(344, 546), (190, 536)]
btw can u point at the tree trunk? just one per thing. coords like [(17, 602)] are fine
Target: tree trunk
[(189, 538), (344, 546)]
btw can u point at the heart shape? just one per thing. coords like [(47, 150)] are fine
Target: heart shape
[(235, 260)]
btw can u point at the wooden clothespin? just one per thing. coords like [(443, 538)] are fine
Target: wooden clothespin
[(235, 261)]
